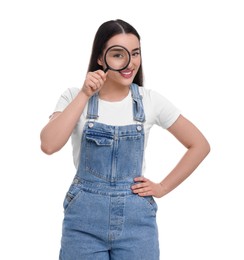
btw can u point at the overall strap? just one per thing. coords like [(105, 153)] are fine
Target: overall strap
[(138, 111), (92, 111)]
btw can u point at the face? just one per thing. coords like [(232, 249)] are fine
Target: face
[(132, 44)]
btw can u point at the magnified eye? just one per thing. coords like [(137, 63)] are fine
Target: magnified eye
[(118, 55), (117, 58)]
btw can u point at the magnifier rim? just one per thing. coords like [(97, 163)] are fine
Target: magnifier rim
[(105, 60)]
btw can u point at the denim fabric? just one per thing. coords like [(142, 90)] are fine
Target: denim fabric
[(103, 219)]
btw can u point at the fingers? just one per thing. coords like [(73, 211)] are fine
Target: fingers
[(144, 188), (141, 178), (102, 74), (94, 82)]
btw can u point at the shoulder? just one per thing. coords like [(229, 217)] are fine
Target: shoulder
[(152, 96), (159, 109), (70, 93), (66, 97)]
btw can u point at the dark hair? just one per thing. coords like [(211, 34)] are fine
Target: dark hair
[(106, 31)]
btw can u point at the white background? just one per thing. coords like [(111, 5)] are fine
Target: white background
[(192, 53)]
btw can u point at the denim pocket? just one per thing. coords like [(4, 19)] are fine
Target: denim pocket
[(98, 159), (72, 194), (151, 203), (99, 140)]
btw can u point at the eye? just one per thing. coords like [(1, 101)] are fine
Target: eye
[(135, 54), (118, 55)]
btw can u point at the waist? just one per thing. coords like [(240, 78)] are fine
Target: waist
[(108, 188)]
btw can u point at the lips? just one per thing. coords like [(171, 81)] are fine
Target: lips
[(126, 73)]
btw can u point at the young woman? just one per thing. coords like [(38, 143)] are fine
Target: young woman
[(109, 210)]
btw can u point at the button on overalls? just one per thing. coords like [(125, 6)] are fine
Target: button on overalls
[(103, 219)]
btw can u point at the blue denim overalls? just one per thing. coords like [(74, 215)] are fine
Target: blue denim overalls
[(103, 219)]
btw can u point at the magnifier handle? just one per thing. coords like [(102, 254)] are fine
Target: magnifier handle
[(105, 70)]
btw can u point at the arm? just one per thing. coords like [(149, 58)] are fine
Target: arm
[(197, 149), (60, 126)]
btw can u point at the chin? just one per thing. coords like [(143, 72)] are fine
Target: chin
[(127, 82)]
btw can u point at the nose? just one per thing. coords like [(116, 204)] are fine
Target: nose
[(130, 65)]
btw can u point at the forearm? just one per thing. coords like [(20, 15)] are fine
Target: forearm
[(197, 149), (58, 130), (188, 163), (60, 127)]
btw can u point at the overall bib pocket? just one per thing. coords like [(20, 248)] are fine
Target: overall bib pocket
[(98, 155), (121, 155)]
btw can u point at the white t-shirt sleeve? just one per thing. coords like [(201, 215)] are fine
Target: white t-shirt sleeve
[(65, 99), (162, 111)]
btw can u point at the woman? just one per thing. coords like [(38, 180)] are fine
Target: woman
[(109, 208)]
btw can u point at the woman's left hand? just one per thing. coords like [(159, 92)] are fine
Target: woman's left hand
[(147, 188)]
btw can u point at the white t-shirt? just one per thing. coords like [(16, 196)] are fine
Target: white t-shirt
[(158, 110)]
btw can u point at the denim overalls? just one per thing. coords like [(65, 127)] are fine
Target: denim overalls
[(103, 219)]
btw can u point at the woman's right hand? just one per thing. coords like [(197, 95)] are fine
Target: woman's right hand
[(94, 82)]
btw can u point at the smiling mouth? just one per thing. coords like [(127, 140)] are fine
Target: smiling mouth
[(126, 73)]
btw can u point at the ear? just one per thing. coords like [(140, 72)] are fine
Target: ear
[(99, 61)]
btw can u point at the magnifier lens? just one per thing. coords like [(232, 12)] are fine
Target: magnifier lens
[(117, 58)]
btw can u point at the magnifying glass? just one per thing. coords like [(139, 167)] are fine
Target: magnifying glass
[(116, 58)]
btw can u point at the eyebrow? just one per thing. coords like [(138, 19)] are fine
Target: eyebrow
[(123, 48), (137, 49), (117, 49)]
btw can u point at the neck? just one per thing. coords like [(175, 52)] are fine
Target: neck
[(114, 93)]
